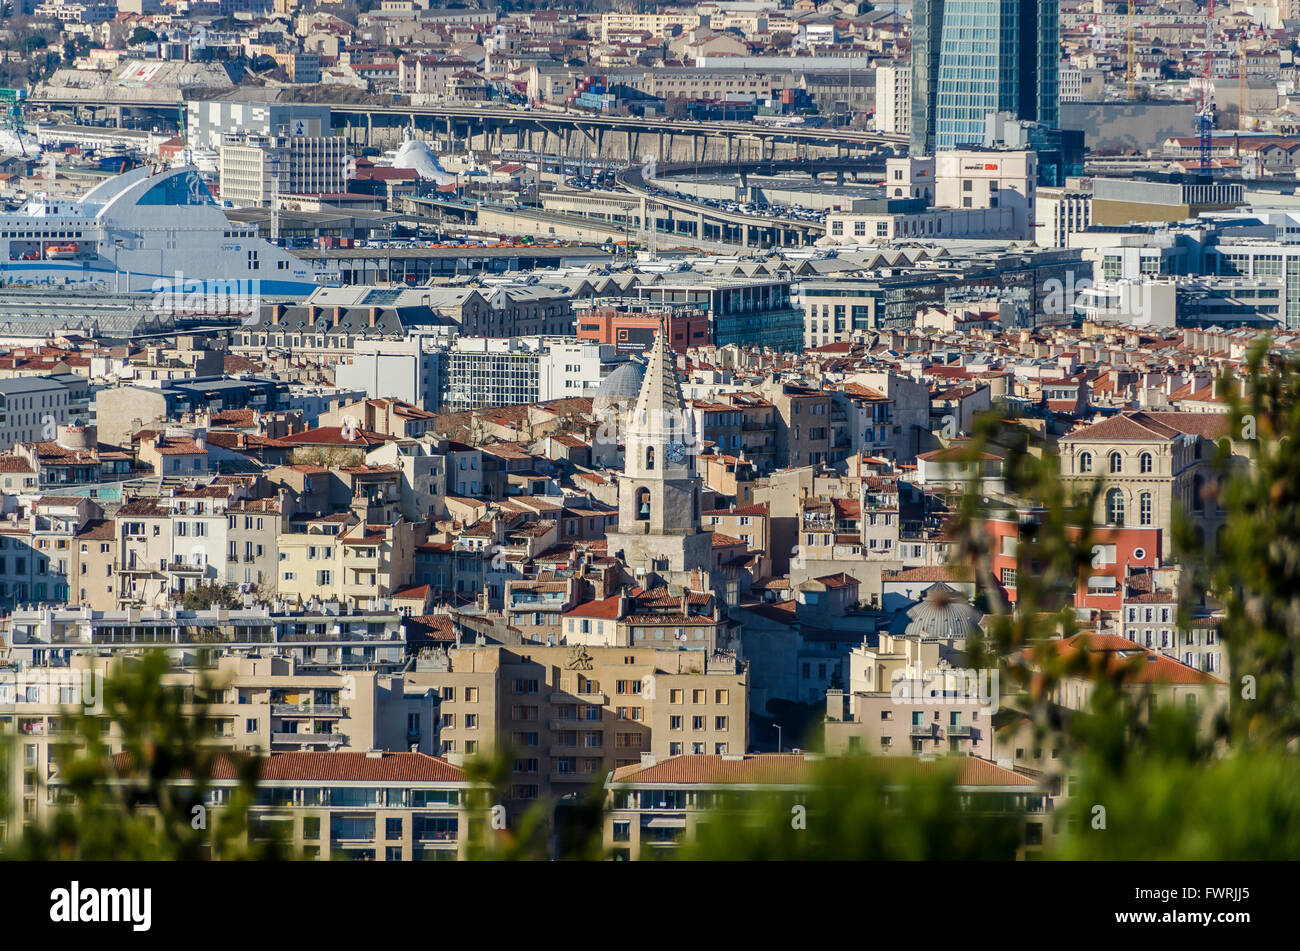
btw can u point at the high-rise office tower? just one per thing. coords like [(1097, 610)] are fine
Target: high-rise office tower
[(973, 57)]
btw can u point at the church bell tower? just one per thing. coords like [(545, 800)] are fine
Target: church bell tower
[(659, 490)]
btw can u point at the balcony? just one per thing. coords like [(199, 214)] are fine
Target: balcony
[(958, 729), (573, 777), (306, 710), (182, 568), (922, 729), (308, 739), (572, 724), (561, 696)]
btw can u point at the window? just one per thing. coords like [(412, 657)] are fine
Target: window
[(1085, 462), (1115, 508), (1146, 463), (1144, 518), (1116, 462)]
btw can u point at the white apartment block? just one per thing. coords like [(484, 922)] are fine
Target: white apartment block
[(255, 168), (894, 99), (1059, 213), (1071, 83)]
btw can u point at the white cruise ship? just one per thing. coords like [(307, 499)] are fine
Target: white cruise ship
[(151, 229)]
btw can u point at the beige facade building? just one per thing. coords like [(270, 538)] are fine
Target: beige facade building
[(1152, 466), (270, 704), (655, 806), (568, 715)]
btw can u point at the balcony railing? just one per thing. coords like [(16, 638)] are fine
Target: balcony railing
[(306, 710), (303, 739), (958, 729), (922, 729)]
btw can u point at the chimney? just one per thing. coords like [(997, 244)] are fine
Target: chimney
[(277, 311), (374, 315), (312, 313), (647, 759), (338, 312)]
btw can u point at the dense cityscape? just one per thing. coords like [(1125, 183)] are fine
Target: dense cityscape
[(530, 430)]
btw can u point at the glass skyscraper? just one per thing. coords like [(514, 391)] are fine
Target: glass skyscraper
[(973, 57)]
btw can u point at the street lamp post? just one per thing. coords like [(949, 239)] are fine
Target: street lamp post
[(780, 748)]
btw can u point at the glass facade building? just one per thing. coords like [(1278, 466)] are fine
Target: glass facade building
[(975, 57)]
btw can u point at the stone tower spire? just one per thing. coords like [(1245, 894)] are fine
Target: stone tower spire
[(659, 490)]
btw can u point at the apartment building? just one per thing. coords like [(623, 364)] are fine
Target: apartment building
[(32, 408), (1150, 619), (252, 536), (54, 550), (1152, 466), (803, 423), (904, 696), (268, 704), (328, 636), (1061, 212), (894, 99), (567, 715), (655, 806), (356, 563), (256, 170), (370, 806)]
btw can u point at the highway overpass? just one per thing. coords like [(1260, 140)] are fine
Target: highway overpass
[(559, 132)]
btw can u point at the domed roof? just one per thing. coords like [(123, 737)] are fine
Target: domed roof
[(944, 614), (624, 383)]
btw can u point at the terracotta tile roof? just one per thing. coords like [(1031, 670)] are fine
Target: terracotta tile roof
[(333, 767), (839, 580), (333, 436), (1149, 667), (603, 609), (1148, 426), (760, 509), (431, 627), (795, 769), (420, 591), (932, 573)]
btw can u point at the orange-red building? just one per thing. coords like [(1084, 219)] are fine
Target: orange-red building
[(634, 330)]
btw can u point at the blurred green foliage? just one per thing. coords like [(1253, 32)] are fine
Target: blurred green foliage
[(151, 802)]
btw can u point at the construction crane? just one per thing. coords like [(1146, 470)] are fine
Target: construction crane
[(1205, 115)]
